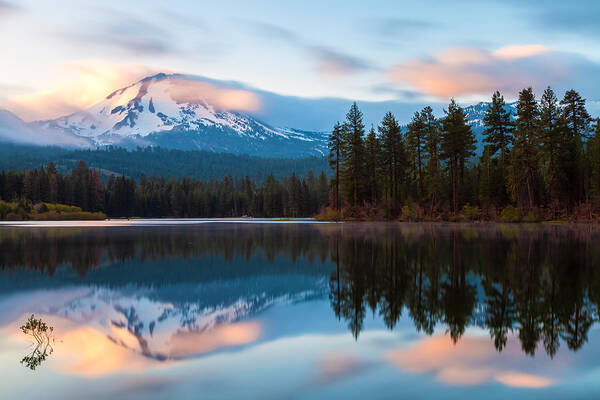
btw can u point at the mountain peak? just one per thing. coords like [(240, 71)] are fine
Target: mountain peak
[(178, 111)]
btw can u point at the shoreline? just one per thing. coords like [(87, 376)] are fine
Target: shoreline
[(149, 222)]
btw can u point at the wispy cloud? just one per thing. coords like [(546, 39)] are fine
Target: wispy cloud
[(7, 8), (328, 61), (563, 16), (125, 33), (332, 62)]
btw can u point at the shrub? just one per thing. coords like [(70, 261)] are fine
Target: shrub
[(532, 216), (62, 208), (409, 213), (510, 214), (72, 216), (42, 208), (471, 212), (5, 209), (329, 214)]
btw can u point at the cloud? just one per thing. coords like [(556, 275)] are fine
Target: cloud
[(473, 71), (520, 51), (564, 17), (8, 8), (271, 31), (198, 92), (331, 62), (472, 361), (128, 34), (188, 343), (334, 366), (328, 61), (76, 85)]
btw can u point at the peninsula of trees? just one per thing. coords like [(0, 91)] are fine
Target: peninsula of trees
[(542, 163)]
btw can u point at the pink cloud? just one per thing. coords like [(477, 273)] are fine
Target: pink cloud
[(187, 91), (472, 71), (74, 86), (472, 361)]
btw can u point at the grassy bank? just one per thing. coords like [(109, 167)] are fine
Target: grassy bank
[(23, 211)]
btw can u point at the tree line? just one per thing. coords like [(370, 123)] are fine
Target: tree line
[(151, 196), (544, 161)]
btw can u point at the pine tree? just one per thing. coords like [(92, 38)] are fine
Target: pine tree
[(432, 151), (415, 141), (373, 157), (594, 157), (393, 156), (353, 156), (457, 145), (336, 148), (498, 127), (525, 152), (575, 114), (486, 169), (550, 135), (577, 123)]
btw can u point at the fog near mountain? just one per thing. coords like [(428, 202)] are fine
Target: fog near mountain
[(15, 130)]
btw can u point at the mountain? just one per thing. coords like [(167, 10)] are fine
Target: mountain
[(15, 130), (181, 112), (475, 114)]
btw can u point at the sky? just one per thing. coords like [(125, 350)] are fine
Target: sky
[(64, 55)]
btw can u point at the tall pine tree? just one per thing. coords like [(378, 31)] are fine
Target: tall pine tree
[(353, 156), (336, 149), (415, 142), (525, 152), (458, 145), (393, 156)]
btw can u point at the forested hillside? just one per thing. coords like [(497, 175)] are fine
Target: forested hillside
[(204, 165)]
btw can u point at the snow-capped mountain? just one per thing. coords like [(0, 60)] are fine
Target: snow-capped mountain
[(177, 111), (476, 112)]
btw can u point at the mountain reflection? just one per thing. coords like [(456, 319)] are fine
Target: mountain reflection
[(540, 284)]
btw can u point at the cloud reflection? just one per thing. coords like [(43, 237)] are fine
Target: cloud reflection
[(335, 365), (189, 343), (472, 361)]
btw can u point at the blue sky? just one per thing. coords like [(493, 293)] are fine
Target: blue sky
[(59, 56)]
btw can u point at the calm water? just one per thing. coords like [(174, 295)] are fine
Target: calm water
[(299, 311)]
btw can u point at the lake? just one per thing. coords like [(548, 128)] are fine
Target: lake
[(298, 310)]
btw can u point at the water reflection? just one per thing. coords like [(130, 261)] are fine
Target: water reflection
[(304, 311), (540, 283)]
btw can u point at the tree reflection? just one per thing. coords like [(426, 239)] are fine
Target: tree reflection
[(540, 284), (43, 339)]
